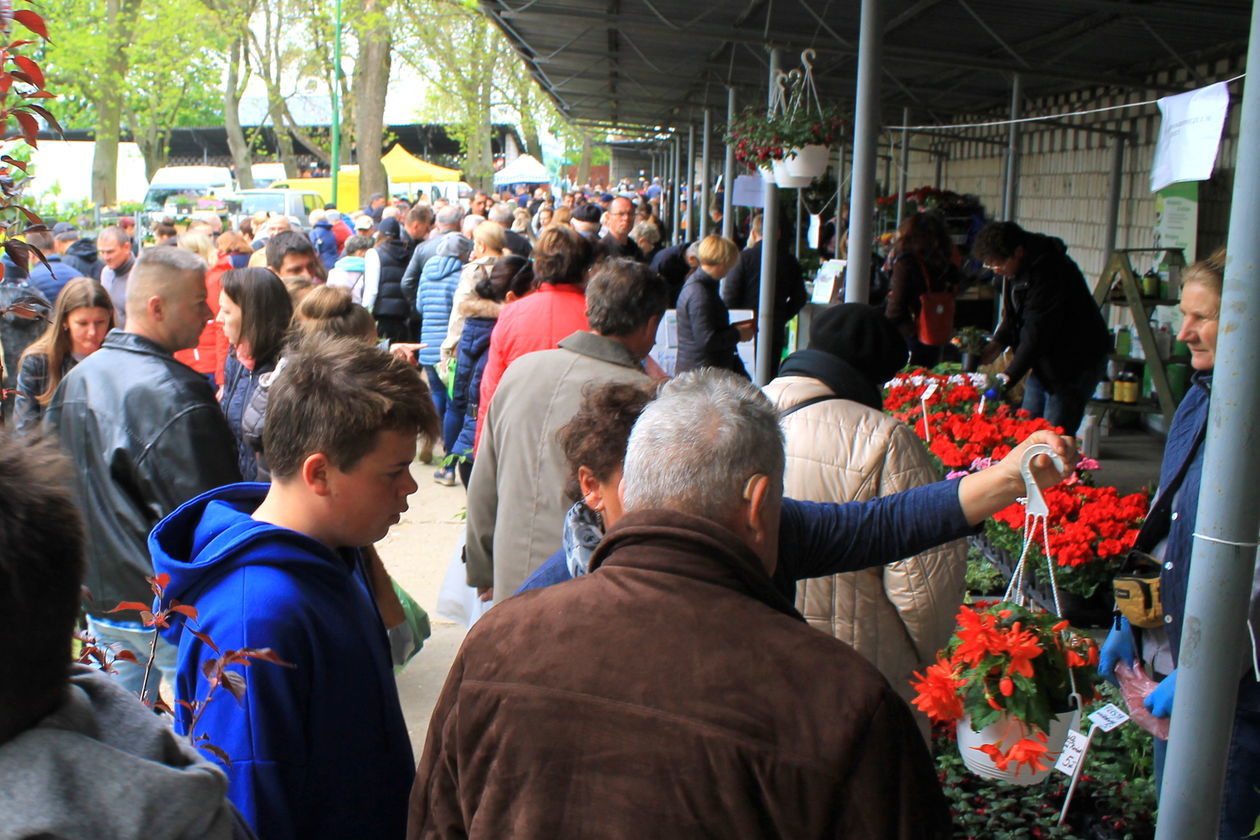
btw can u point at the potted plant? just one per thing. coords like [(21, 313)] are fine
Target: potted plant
[(799, 137), (970, 342), (1008, 682)]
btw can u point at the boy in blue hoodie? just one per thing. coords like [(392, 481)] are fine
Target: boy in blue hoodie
[(319, 749)]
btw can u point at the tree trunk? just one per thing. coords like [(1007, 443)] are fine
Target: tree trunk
[(529, 126), (284, 140), (237, 144), (154, 146), (109, 111), (371, 79)]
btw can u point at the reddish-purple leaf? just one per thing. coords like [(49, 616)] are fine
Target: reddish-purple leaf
[(12, 161), (216, 752), (30, 68), (186, 705), (21, 76), (207, 668), (235, 683), (6, 82), (126, 656), (183, 609), (15, 44), (130, 605), (48, 117), (205, 639), (31, 21), (146, 618), (30, 127), (266, 655)]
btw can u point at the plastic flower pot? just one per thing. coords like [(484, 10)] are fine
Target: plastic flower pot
[(808, 162), (1005, 732), (786, 180)]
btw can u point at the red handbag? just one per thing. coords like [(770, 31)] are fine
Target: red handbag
[(936, 313)]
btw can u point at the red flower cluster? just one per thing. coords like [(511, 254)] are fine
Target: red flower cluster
[(1085, 523)]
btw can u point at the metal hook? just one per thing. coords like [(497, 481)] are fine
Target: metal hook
[(807, 59), (1034, 502)]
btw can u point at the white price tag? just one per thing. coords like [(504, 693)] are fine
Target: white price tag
[(1073, 751), (928, 392), (1108, 717)]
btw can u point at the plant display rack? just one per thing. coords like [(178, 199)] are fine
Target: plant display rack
[(1119, 268)]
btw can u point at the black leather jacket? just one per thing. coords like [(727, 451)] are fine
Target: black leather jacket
[(146, 435)]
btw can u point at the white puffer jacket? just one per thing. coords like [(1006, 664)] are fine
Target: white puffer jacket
[(898, 615)]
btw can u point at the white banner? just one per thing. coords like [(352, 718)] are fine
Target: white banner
[(1189, 135), (749, 191)]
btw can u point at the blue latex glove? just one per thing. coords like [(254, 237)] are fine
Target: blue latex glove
[(1160, 701), (1117, 648)]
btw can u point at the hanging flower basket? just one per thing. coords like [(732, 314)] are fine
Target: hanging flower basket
[(1008, 750), (784, 178), (807, 161)]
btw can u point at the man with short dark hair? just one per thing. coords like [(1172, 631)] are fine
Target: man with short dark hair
[(375, 206), (114, 246), (480, 203), (417, 224), (78, 253), (48, 278), (447, 220), (519, 457), (1049, 318), (620, 221), (79, 757), (742, 287), (319, 749), (292, 257), (146, 435)]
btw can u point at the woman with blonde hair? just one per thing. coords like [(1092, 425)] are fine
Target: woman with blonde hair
[(81, 317), (706, 336)]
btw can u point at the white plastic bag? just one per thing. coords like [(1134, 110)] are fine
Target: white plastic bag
[(457, 601)]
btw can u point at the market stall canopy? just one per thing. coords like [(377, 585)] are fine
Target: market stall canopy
[(524, 170), (404, 168), (650, 63)]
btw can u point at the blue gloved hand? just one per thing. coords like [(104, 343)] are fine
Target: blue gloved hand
[(1116, 649), (1160, 701)]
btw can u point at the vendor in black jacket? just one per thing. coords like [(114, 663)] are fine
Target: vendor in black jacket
[(1049, 318)]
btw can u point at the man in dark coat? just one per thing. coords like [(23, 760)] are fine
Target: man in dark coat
[(620, 221), (673, 691), (742, 287), (1049, 318), (79, 254)]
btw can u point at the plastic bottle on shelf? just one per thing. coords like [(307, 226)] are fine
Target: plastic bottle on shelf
[(1124, 341), (1163, 341)]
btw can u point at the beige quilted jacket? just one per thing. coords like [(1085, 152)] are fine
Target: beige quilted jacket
[(898, 615)]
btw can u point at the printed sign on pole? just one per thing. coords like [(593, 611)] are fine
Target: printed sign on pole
[(1189, 135)]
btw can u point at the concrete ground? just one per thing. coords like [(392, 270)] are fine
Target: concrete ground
[(416, 553)]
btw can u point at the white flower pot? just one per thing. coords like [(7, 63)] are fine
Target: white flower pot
[(1006, 731), (786, 180), (809, 162)]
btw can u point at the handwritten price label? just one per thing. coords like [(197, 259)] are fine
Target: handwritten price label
[(1108, 717), (1073, 751)]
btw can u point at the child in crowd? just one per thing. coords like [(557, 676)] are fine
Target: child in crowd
[(318, 749)]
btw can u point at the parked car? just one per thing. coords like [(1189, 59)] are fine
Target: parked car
[(180, 191), (296, 204)]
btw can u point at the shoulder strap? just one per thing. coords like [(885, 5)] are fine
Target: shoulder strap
[(793, 409)]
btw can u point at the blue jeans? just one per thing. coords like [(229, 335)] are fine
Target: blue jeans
[(441, 398), (1240, 802), (138, 640), (1064, 407)]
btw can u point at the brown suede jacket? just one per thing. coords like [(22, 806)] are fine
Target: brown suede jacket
[(671, 693)]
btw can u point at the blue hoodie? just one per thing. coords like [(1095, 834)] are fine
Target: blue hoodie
[(325, 242), (318, 750)]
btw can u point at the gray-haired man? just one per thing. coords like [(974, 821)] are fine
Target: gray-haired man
[(693, 699)]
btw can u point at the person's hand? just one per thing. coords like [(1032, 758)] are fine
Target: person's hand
[(1117, 648), (485, 593), (747, 329), (406, 351), (990, 352), (1043, 468), (1160, 701), (1003, 381)]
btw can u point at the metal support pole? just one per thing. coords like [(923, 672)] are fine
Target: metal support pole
[(799, 211), (336, 102), (1113, 196), (766, 363), (888, 164), (728, 173), (857, 284), (676, 221), (689, 177), (702, 194), (1011, 191), (1214, 629), (940, 166), (839, 198), (903, 177)]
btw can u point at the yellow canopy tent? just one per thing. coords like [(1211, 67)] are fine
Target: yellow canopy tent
[(404, 168)]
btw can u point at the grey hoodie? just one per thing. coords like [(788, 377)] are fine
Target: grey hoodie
[(102, 766)]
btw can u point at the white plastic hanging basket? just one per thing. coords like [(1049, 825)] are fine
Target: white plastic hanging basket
[(785, 179), (1005, 731), (809, 162)]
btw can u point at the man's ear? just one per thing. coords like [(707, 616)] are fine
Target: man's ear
[(592, 495), (156, 307), (756, 496), (315, 474)]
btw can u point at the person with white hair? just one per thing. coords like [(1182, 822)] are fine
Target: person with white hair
[(687, 683), (516, 242)]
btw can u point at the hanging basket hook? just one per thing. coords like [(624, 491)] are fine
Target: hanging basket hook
[(1036, 503)]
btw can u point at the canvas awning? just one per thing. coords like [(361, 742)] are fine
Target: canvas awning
[(524, 170), (404, 168)]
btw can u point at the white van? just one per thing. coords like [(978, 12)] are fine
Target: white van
[(183, 190)]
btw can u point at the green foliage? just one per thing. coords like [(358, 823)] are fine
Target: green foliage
[(982, 577)]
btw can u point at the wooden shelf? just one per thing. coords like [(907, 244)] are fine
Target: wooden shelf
[(1141, 406)]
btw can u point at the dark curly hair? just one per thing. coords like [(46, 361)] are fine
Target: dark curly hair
[(998, 241), (597, 435)]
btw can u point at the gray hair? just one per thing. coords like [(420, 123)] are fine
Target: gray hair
[(694, 448), (449, 216), (501, 213), (645, 230), (114, 234), (624, 295), (470, 223), (171, 259), (693, 251)]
